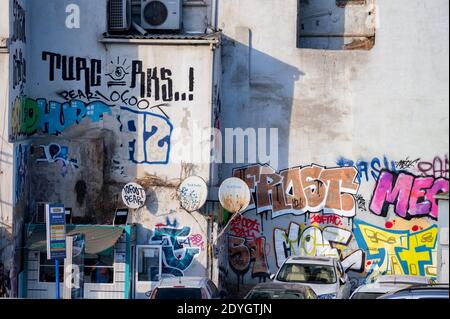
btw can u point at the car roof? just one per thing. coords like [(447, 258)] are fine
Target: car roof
[(430, 290), (188, 282), (380, 287), (284, 286), (310, 260), (403, 279)]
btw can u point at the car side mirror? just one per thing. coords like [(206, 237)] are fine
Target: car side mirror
[(343, 281), (272, 277)]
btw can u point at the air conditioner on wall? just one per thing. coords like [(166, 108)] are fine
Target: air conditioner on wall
[(161, 14), (119, 15)]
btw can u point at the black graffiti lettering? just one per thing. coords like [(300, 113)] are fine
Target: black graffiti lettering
[(96, 67), (19, 28), (80, 70), (67, 68), (136, 70), (19, 70), (155, 79), (55, 63), (167, 89), (191, 83)]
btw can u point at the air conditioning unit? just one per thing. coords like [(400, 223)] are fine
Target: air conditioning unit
[(119, 15), (161, 14)]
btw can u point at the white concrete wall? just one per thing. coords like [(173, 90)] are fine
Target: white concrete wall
[(362, 105), (113, 162)]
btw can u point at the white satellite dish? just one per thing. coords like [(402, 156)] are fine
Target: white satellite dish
[(234, 195), (193, 193), (133, 196)]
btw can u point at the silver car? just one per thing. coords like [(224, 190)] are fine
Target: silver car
[(420, 292), (325, 275)]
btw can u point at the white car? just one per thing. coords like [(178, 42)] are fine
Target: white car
[(388, 284), (325, 275), (185, 288)]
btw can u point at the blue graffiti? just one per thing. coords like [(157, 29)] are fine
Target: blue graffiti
[(177, 252), (154, 132), (367, 169), (56, 117)]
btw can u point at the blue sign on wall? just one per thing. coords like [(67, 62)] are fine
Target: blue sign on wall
[(56, 231)]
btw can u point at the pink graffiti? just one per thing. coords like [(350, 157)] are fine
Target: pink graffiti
[(245, 227), (326, 219), (197, 241), (412, 196)]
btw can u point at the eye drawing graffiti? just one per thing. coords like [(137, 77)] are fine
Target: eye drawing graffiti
[(118, 74)]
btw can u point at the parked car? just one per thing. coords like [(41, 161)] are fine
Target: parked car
[(185, 288), (325, 275), (281, 291), (420, 292), (388, 284)]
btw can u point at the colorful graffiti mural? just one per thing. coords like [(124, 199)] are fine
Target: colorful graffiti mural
[(178, 254), (397, 251), (299, 240), (411, 196), (303, 189), (39, 116)]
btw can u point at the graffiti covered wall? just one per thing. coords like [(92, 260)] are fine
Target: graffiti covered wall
[(100, 115), (319, 211)]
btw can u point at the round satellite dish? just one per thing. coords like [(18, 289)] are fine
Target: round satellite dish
[(193, 193), (133, 196), (234, 195)]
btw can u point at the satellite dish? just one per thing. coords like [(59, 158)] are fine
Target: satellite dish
[(193, 193), (234, 195), (133, 195)]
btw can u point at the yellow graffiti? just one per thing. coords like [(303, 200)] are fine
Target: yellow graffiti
[(400, 252)]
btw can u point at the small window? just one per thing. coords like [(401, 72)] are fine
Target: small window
[(47, 270), (99, 269), (336, 24)]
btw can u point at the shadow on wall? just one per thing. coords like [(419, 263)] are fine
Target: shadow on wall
[(258, 93)]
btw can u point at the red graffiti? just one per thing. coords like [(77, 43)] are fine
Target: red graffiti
[(197, 241), (326, 219), (244, 227)]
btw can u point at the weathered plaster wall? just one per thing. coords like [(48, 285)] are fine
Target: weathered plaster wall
[(384, 108), (13, 171), (98, 116)]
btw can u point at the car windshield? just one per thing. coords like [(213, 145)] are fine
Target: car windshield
[(178, 293), (275, 294), (367, 295), (307, 273)]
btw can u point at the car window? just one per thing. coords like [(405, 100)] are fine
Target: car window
[(307, 273), (275, 294), (178, 293), (367, 295)]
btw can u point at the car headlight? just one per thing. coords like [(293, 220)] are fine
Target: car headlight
[(328, 296)]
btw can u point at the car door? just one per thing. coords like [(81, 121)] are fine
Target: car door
[(346, 287)]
